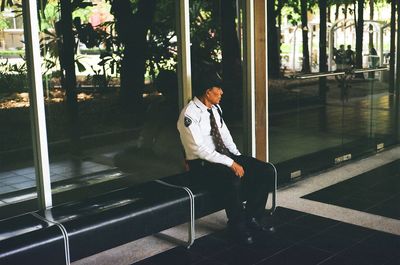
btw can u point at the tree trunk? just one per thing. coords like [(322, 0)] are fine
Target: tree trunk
[(273, 42), (304, 26), (323, 66), (371, 28), (359, 34), (392, 58), (132, 32), (398, 55), (337, 11), (231, 63), (68, 79)]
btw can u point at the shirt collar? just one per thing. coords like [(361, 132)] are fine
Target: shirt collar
[(200, 104)]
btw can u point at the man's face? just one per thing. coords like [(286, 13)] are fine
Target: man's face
[(214, 95)]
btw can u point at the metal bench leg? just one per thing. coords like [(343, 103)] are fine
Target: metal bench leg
[(273, 207), (191, 227), (63, 231)]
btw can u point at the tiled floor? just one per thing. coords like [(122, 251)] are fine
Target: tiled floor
[(314, 233), (376, 191), (300, 239), (317, 233), (22, 178)]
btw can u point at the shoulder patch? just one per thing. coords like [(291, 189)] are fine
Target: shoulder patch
[(187, 121)]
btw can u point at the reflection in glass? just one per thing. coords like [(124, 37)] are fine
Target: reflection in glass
[(317, 122), (112, 114), (17, 173)]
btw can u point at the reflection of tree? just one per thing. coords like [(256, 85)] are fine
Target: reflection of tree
[(231, 62), (359, 20), (67, 62), (392, 46), (132, 28), (274, 43), (323, 67), (302, 8), (304, 25)]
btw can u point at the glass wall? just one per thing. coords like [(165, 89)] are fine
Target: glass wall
[(321, 116), (113, 97), (111, 93), (17, 173)]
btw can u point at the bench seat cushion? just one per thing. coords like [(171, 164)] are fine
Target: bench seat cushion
[(119, 217), (26, 239)]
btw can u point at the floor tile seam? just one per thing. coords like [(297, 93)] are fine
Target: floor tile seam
[(19, 188), (320, 249), (322, 231), (207, 259), (212, 257), (23, 175), (276, 253), (9, 176), (382, 201), (317, 234), (342, 251), (25, 179), (382, 221), (301, 242), (217, 253)]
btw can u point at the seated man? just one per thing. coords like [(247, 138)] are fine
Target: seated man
[(215, 161)]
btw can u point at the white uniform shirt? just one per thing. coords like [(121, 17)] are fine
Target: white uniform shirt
[(194, 129)]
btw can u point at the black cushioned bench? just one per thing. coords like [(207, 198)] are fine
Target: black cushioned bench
[(75, 230), (25, 239)]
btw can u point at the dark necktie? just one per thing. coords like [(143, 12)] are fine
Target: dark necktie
[(216, 136)]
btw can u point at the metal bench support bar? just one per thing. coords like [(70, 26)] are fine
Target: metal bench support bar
[(191, 227), (63, 231), (274, 191)]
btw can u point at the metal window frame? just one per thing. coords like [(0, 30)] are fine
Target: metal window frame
[(184, 62), (266, 84), (37, 110), (249, 78)]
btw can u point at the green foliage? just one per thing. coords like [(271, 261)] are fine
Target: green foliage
[(205, 34), (12, 53), (162, 41), (13, 78), (293, 10), (4, 23), (49, 16)]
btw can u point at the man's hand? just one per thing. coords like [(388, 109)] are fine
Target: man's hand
[(237, 169)]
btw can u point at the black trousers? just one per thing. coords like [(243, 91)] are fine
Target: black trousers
[(253, 187)]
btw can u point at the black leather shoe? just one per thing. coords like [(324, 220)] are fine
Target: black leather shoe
[(257, 226), (241, 234)]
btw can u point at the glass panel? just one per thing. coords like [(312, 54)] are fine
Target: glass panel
[(117, 127), (312, 128), (304, 130), (216, 45), (17, 172), (357, 113), (384, 118)]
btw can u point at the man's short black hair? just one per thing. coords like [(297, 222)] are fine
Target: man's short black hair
[(204, 81)]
